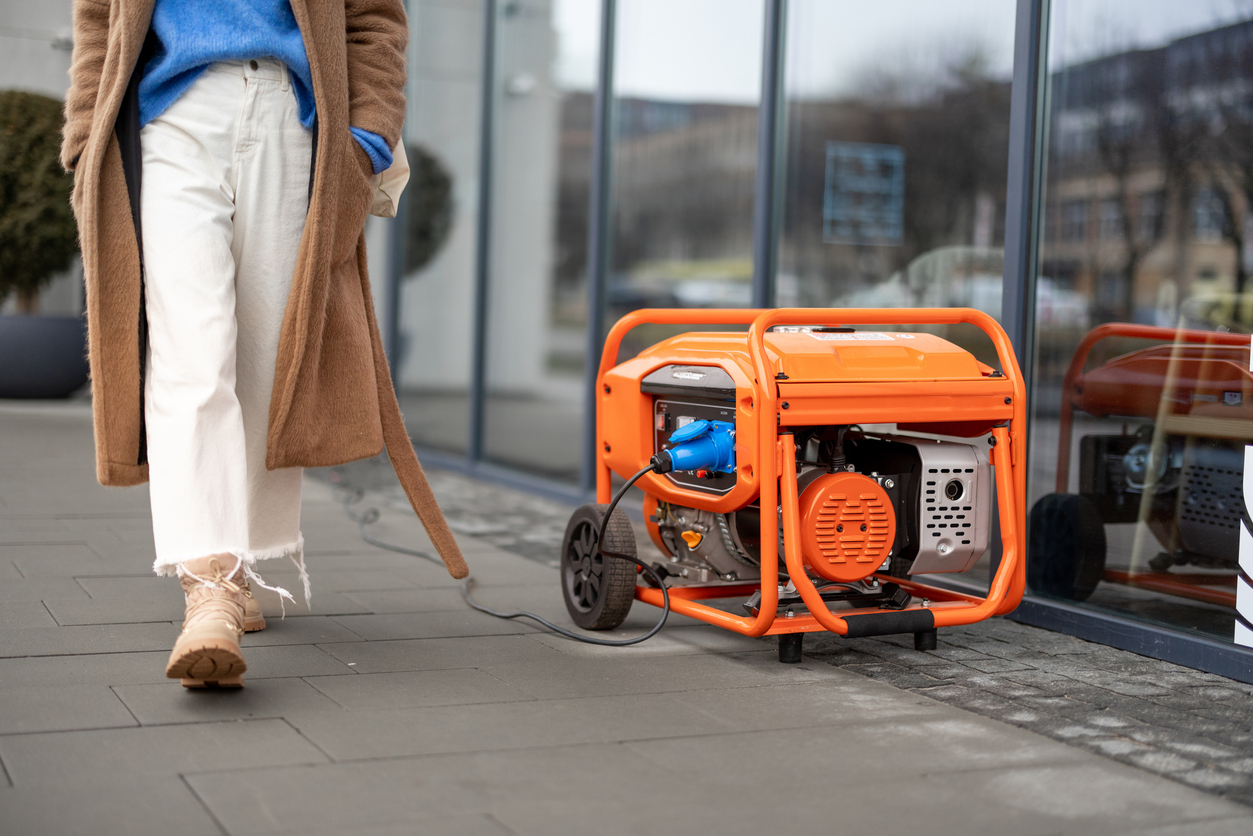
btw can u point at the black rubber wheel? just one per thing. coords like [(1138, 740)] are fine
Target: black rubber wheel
[(598, 589), (1066, 554)]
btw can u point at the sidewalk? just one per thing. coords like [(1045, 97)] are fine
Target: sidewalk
[(392, 708)]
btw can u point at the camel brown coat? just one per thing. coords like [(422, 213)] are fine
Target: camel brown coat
[(333, 400)]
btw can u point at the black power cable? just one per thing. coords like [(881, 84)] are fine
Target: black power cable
[(351, 496)]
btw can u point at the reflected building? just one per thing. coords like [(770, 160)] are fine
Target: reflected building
[(1149, 175)]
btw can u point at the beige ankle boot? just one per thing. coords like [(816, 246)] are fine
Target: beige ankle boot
[(207, 651), (254, 620)]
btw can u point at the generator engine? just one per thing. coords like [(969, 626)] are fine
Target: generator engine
[(868, 503)]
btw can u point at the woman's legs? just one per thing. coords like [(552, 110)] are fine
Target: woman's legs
[(223, 200), (271, 201)]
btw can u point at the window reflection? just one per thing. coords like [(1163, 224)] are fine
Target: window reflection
[(897, 148), (686, 91), (546, 56), (1141, 422), (436, 296)]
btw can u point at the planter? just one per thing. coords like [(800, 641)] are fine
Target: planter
[(42, 356)]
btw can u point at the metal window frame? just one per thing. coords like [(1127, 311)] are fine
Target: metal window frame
[(599, 232), (771, 156), (1025, 178), (483, 239)]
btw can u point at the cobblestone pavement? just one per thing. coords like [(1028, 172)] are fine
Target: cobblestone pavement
[(1191, 726)]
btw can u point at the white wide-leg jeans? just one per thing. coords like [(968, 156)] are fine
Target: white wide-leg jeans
[(224, 193)]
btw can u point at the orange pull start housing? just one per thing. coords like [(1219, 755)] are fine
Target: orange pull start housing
[(847, 526)]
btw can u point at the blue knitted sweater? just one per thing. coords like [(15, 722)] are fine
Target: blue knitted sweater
[(196, 33)]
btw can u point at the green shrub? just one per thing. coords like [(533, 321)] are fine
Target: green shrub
[(38, 237)]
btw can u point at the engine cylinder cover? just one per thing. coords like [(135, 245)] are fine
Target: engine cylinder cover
[(847, 526)]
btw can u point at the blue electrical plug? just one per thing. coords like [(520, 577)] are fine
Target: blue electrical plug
[(700, 445)]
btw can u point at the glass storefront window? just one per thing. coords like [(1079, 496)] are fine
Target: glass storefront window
[(897, 149), (546, 61), (433, 347), (687, 83), (1142, 389), (897, 142)]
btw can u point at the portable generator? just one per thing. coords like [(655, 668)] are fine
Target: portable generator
[(793, 474), (1177, 466)]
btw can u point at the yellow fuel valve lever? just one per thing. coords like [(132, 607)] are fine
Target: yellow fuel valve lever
[(692, 538)]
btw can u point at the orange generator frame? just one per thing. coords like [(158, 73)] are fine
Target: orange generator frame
[(785, 380)]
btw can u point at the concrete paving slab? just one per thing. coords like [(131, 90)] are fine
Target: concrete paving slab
[(565, 677), (430, 625), (279, 661), (572, 721), (439, 599), (135, 587), (347, 796), (66, 757), (63, 707), (65, 560), (323, 602), (415, 689), (109, 638), (82, 611), (371, 560), (342, 581), (676, 641), (860, 809), (437, 654), (489, 567), (467, 825), (13, 532), (928, 741), (356, 735), (17, 614), (151, 805), (84, 669), (17, 588), (1099, 797), (170, 702), (309, 629), (1215, 827)]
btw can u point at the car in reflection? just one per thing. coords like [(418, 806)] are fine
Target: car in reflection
[(967, 277), (705, 283)]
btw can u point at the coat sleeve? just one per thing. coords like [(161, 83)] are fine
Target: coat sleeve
[(378, 33), (91, 39)]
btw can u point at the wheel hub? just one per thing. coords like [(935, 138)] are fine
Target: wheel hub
[(585, 580)]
